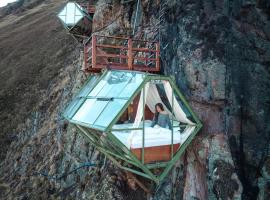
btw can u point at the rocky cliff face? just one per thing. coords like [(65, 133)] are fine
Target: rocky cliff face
[(219, 54)]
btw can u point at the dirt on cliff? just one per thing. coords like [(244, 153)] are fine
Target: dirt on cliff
[(218, 52), (40, 71), (34, 47)]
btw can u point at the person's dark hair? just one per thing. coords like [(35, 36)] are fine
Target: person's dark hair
[(159, 105), (156, 112)]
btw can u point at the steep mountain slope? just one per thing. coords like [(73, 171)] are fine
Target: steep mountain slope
[(40, 71), (219, 53), (34, 47)]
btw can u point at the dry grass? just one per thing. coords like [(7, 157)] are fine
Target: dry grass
[(33, 48)]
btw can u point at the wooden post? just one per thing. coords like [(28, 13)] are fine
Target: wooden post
[(94, 51), (130, 59), (85, 57), (157, 57)]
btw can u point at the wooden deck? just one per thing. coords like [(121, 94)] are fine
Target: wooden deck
[(121, 53)]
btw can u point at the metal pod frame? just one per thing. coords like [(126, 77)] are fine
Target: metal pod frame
[(108, 144)]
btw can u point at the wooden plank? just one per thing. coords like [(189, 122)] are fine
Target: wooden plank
[(130, 60), (155, 154), (112, 46), (144, 58), (126, 38), (111, 55), (98, 63), (143, 50), (112, 66), (145, 68), (85, 57), (94, 51), (120, 66), (121, 38)]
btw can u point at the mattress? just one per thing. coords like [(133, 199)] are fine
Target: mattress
[(154, 136)]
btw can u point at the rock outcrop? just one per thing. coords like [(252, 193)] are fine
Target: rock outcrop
[(219, 54)]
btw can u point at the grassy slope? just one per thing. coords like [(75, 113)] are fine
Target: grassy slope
[(33, 48)]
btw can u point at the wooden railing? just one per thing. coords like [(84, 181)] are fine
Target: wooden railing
[(121, 53)]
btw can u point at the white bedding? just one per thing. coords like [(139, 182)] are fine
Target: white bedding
[(153, 136)]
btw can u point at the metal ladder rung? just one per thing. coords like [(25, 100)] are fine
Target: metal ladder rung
[(89, 49)]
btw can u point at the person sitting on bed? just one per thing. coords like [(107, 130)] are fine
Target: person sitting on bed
[(161, 117)]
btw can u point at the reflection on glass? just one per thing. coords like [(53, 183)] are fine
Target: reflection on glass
[(117, 84), (73, 107), (88, 87), (98, 88), (89, 111), (132, 85), (110, 112)]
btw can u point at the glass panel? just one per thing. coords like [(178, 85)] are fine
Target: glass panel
[(77, 19), (89, 111), (117, 89), (89, 86), (115, 83), (126, 121), (72, 107), (62, 14), (118, 84), (132, 85), (71, 14), (97, 88), (110, 112), (104, 91)]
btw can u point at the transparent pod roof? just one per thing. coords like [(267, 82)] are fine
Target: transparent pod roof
[(116, 112), (71, 14), (101, 100), (105, 98)]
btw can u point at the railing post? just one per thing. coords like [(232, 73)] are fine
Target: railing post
[(85, 56), (94, 51), (130, 59), (157, 56)]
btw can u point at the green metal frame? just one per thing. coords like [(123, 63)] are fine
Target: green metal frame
[(116, 151)]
